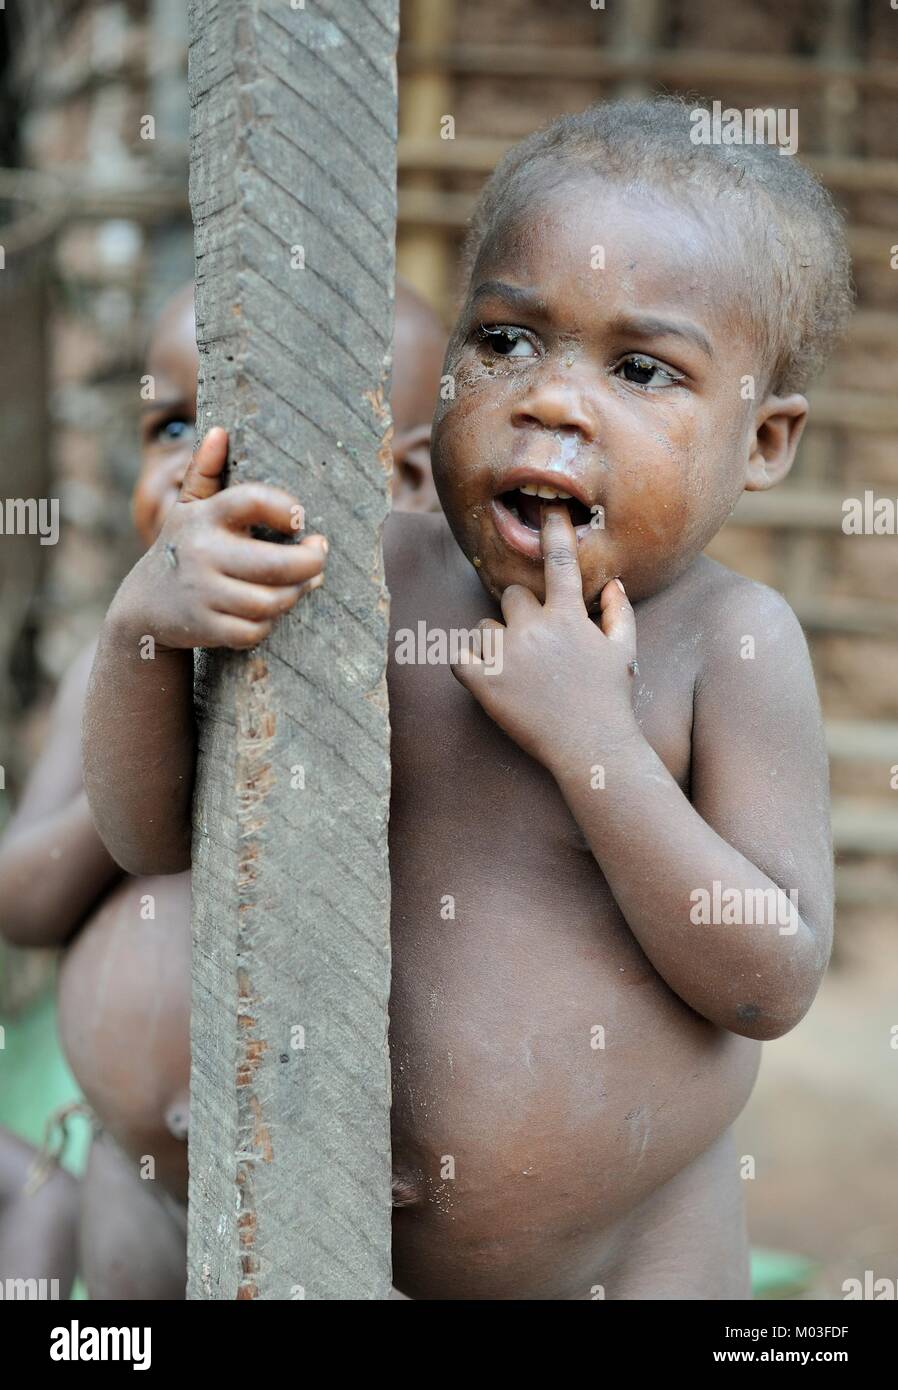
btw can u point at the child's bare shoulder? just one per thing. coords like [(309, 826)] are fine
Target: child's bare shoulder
[(57, 772), (754, 677), (739, 616)]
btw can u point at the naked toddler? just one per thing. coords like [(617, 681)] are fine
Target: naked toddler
[(575, 1037)]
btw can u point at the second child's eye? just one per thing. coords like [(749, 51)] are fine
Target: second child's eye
[(507, 342), (174, 431), (646, 371)]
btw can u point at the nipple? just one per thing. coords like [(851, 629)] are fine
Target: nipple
[(177, 1117)]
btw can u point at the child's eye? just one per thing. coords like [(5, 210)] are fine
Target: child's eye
[(506, 342), (646, 371)]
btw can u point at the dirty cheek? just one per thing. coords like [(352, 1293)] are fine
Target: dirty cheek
[(664, 489), (467, 428)]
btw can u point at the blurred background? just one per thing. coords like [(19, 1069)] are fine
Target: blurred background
[(95, 232)]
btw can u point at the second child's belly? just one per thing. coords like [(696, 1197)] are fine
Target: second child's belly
[(124, 1019), (545, 1078)]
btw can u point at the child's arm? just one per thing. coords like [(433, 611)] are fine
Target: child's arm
[(758, 821), (53, 866), (38, 1229), (206, 582)]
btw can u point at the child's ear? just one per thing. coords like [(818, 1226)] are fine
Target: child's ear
[(779, 425), (413, 485)]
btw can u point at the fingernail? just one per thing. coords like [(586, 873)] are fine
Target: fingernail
[(620, 586)]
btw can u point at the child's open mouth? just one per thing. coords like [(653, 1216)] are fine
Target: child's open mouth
[(518, 514), (525, 503)]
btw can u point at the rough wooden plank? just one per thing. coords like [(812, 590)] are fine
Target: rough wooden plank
[(685, 69), (862, 740), (634, 32), (861, 886), (798, 508), (293, 117), (864, 827), (862, 617)]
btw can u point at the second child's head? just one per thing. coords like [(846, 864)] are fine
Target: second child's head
[(168, 424), (168, 421), (641, 319)]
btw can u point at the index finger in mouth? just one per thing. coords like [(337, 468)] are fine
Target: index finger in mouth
[(564, 582)]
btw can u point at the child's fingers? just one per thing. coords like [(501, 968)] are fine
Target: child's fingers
[(618, 621), (518, 602), (203, 476), (239, 634), (260, 504), (266, 562), (258, 603), (470, 664), (468, 667), (564, 583)]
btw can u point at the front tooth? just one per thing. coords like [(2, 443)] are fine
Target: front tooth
[(563, 496), (529, 488), (547, 493)]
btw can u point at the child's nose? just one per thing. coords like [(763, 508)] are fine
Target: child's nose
[(556, 405)]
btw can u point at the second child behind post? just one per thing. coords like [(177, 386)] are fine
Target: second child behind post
[(124, 979)]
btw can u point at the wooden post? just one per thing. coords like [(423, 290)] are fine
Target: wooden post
[(293, 127)]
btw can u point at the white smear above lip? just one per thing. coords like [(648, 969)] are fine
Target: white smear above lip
[(568, 447)]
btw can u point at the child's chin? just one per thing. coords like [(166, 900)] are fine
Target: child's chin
[(593, 584)]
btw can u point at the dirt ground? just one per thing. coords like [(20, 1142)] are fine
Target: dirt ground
[(823, 1121)]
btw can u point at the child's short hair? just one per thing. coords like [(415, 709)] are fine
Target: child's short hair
[(794, 273)]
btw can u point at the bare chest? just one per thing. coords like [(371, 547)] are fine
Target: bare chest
[(452, 764)]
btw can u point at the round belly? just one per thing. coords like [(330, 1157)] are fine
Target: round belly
[(545, 1081), (124, 1019)]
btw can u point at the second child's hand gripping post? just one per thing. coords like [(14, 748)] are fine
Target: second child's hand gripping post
[(564, 691), (205, 582)]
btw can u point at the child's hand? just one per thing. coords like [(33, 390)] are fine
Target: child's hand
[(554, 680), (206, 582)]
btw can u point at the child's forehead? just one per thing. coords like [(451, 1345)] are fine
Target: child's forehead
[(593, 244), (172, 348)]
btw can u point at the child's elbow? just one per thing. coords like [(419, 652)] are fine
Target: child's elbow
[(777, 1012), (23, 920), (751, 1021), (16, 914), (142, 846), (143, 862), (15, 929)]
